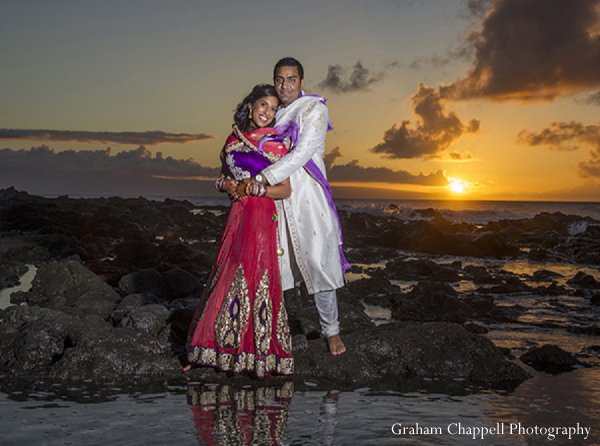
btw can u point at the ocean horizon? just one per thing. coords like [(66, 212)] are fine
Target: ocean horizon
[(469, 211)]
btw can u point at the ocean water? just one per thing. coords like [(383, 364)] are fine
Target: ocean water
[(476, 212), (557, 410)]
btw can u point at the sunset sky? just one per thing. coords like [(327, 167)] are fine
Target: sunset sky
[(476, 99)]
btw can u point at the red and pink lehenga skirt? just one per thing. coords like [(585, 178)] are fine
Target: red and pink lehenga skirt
[(243, 325)]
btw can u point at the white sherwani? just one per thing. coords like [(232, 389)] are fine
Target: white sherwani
[(307, 225)]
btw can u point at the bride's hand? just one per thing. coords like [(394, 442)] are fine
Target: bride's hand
[(230, 186)]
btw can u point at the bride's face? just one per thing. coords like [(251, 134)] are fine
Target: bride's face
[(262, 112)]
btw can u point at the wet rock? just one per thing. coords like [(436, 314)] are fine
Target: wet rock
[(138, 253), (479, 275), (544, 275), (68, 283), (421, 270), (549, 358), (385, 356), (373, 291), (583, 280), (430, 301), (538, 255), (10, 274), (45, 343), (180, 283), (474, 327), (137, 300), (299, 343), (149, 318), (551, 290), (148, 281), (510, 285), (93, 302), (482, 308)]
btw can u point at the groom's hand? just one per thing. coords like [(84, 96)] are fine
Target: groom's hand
[(239, 191)]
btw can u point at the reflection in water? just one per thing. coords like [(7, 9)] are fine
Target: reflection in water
[(327, 416), (229, 415)]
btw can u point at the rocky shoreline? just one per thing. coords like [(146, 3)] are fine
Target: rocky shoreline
[(117, 281)]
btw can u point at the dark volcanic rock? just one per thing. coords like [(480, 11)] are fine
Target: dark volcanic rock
[(385, 356), (138, 253), (148, 281), (430, 301), (40, 342), (583, 280), (10, 274), (543, 275), (68, 283), (420, 270), (150, 318), (180, 283), (549, 358)]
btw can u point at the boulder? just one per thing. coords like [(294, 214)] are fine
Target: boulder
[(69, 283), (180, 283), (549, 358), (583, 280), (388, 355), (430, 301), (147, 281)]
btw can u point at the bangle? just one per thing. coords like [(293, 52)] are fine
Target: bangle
[(255, 189), (219, 184)]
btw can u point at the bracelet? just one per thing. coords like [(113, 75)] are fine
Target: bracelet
[(255, 189), (219, 184)]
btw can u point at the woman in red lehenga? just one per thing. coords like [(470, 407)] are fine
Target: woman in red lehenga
[(243, 325)]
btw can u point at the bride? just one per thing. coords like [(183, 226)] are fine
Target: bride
[(241, 324)]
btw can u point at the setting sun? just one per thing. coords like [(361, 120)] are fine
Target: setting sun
[(457, 186)]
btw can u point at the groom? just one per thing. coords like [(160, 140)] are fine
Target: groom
[(309, 230)]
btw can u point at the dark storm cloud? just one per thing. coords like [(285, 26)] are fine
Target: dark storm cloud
[(138, 161), (342, 80), (568, 136), (454, 156), (533, 50), (477, 8), (149, 138), (353, 172), (564, 136), (436, 130), (330, 157)]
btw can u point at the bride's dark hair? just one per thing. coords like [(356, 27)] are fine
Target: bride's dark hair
[(241, 116)]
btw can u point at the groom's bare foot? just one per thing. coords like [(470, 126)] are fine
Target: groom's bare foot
[(336, 346)]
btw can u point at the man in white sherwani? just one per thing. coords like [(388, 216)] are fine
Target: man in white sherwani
[(309, 230)]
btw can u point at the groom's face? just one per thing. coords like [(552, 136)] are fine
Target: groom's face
[(288, 84)]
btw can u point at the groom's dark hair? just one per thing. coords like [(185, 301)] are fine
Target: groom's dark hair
[(289, 62)]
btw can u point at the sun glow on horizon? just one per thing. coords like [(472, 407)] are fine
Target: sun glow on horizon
[(457, 185)]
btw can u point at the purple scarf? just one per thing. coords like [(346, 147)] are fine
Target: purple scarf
[(292, 130)]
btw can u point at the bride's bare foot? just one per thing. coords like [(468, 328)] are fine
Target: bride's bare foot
[(187, 368), (336, 346)]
